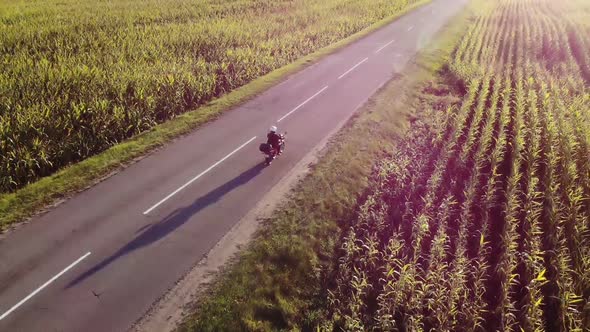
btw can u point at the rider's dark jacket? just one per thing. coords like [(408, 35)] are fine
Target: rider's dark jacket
[(274, 140)]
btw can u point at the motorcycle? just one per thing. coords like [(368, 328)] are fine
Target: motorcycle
[(270, 152)]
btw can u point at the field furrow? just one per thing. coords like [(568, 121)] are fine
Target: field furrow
[(491, 231)]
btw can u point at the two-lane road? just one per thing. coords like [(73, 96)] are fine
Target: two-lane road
[(98, 261)]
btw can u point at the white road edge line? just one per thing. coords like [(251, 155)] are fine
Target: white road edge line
[(43, 286), (384, 46), (197, 177), (410, 28), (303, 103), (351, 69)]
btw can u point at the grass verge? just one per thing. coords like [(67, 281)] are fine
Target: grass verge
[(25, 202), (279, 281)]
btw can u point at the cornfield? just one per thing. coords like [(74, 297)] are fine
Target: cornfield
[(480, 219), (77, 77)]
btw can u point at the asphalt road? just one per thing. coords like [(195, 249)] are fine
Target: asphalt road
[(98, 261)]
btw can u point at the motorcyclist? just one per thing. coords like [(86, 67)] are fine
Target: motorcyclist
[(274, 139)]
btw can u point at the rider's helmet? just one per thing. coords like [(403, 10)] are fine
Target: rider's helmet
[(273, 129)]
